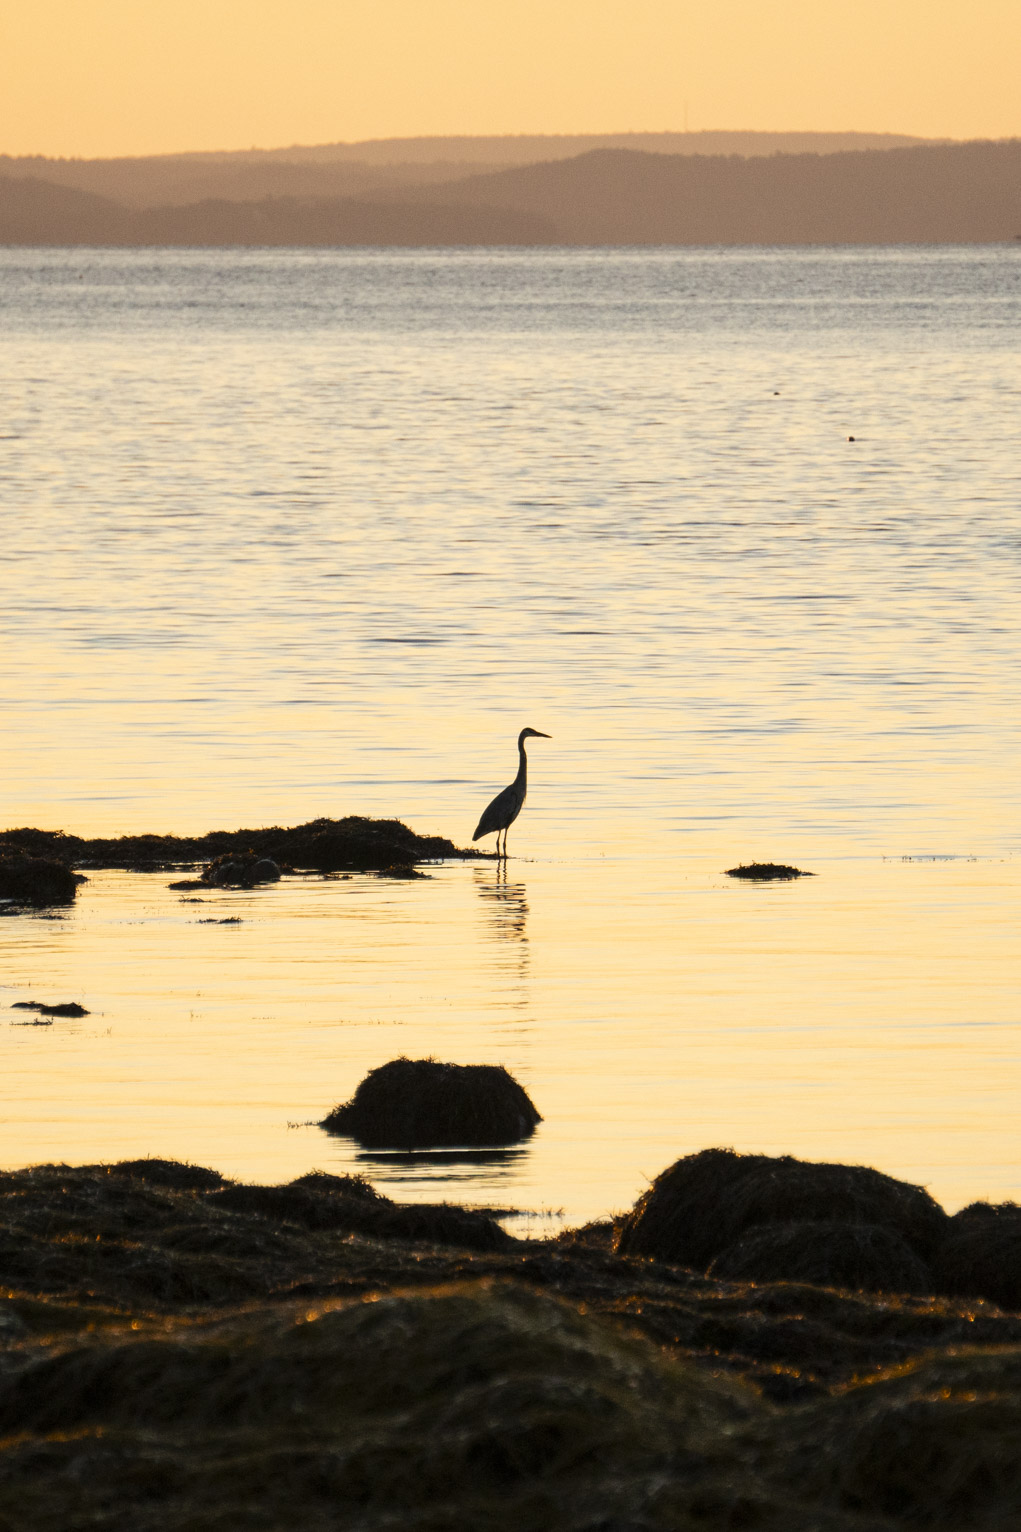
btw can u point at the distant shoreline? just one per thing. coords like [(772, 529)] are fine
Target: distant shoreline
[(928, 193)]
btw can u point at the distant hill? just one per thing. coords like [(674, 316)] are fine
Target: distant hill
[(529, 148), (35, 212), (942, 194)]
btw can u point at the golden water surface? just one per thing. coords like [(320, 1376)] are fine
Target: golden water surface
[(301, 533)]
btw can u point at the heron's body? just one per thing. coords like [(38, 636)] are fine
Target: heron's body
[(506, 806)]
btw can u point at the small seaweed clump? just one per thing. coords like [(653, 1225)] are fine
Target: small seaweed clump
[(423, 1104), (36, 881), (717, 1207), (767, 872)]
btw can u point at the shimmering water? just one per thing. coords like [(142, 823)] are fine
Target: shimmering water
[(298, 533)]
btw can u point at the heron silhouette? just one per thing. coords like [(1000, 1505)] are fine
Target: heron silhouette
[(506, 806)]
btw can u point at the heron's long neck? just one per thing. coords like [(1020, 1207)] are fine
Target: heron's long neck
[(522, 777)]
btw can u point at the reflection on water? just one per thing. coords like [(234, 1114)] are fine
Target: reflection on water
[(506, 912), (293, 533), (440, 1166), (505, 904)]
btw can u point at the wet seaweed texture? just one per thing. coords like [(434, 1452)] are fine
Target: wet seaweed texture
[(35, 881), (850, 1255), (422, 1103), (180, 1351), (354, 843), (707, 1202), (981, 1254)]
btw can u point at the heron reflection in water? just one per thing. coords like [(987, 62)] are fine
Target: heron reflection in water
[(505, 903), (506, 915), (506, 806)]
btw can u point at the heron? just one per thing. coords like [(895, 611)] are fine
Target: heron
[(506, 806)]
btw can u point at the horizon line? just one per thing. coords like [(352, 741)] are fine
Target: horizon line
[(509, 138)]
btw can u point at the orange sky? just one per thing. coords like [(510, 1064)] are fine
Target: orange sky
[(107, 77)]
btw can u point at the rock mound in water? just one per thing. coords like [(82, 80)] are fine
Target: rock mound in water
[(981, 1254), (36, 880), (855, 1256), (423, 1104), (706, 1202)]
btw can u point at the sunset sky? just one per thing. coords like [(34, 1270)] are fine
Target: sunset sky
[(112, 77)]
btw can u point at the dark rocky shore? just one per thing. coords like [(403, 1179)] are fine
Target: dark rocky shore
[(181, 1351), (43, 867)]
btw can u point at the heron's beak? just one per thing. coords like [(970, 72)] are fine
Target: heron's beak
[(541, 734)]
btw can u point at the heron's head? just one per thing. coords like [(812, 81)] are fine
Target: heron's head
[(533, 734)]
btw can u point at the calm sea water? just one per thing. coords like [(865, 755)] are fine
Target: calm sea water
[(289, 533)]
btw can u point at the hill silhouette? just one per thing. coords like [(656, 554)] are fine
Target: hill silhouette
[(956, 193), (942, 194)]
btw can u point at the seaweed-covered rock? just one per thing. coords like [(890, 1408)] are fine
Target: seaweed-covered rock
[(705, 1202), (354, 843), (423, 1104), (36, 880), (855, 1256), (980, 1256)]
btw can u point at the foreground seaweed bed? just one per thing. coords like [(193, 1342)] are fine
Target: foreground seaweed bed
[(185, 1352)]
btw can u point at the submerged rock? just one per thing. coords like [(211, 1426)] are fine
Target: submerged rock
[(231, 871), (423, 1104)]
